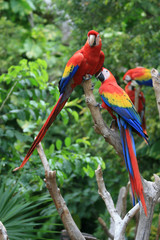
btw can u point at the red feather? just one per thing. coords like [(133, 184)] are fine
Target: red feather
[(88, 60), (130, 90), (136, 179), (57, 108), (119, 105)]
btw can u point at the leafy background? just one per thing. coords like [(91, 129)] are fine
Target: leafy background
[(36, 40)]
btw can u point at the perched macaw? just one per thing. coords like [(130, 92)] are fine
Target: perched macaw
[(140, 74), (121, 108), (82, 65), (130, 90)]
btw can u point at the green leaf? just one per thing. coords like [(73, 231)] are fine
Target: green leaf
[(65, 116), (67, 141), (9, 133), (58, 144), (89, 171), (75, 115)]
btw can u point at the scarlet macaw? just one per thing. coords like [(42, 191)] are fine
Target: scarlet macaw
[(85, 62), (121, 108), (140, 74), (130, 90)]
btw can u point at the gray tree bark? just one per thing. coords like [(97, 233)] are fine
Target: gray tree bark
[(156, 85), (3, 232)]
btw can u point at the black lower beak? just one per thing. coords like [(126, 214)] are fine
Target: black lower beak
[(101, 77)]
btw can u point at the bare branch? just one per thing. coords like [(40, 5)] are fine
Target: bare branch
[(106, 195), (158, 230), (129, 215), (122, 201), (64, 235), (58, 200), (3, 232), (119, 223), (43, 157), (152, 193), (104, 226), (156, 85)]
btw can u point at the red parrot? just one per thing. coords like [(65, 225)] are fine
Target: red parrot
[(140, 74), (130, 90), (83, 64), (121, 108)]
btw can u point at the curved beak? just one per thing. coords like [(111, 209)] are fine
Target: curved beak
[(128, 78), (92, 40), (101, 77)]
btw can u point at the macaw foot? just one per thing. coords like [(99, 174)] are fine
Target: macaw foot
[(87, 77), (113, 124), (92, 88), (98, 105)]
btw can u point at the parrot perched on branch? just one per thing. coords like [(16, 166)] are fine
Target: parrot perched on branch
[(130, 90), (81, 66), (140, 74), (121, 108)]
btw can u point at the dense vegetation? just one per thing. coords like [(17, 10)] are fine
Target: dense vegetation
[(36, 40)]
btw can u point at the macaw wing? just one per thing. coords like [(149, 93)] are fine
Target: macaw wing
[(143, 77), (122, 105), (70, 70)]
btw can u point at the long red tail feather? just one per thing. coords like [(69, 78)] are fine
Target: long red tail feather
[(56, 110), (136, 182)]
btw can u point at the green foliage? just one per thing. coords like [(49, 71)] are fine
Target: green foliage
[(19, 217)]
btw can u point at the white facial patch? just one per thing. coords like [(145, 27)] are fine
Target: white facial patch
[(106, 73), (127, 78), (97, 40)]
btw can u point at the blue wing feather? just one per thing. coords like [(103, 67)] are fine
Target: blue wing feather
[(128, 114), (65, 80), (145, 82)]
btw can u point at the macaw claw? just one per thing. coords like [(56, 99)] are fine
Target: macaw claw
[(87, 77), (113, 124), (98, 105), (92, 88)]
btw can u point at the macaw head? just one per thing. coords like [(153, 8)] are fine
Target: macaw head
[(103, 75), (93, 38), (127, 78), (132, 74)]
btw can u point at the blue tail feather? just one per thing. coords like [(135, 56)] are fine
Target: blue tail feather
[(133, 143), (122, 126)]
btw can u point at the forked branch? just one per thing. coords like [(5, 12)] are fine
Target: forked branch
[(69, 224)]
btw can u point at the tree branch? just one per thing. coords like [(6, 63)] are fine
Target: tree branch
[(43, 157), (156, 85), (104, 226), (69, 224), (119, 223), (158, 230), (3, 232), (152, 194), (105, 195), (121, 202)]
